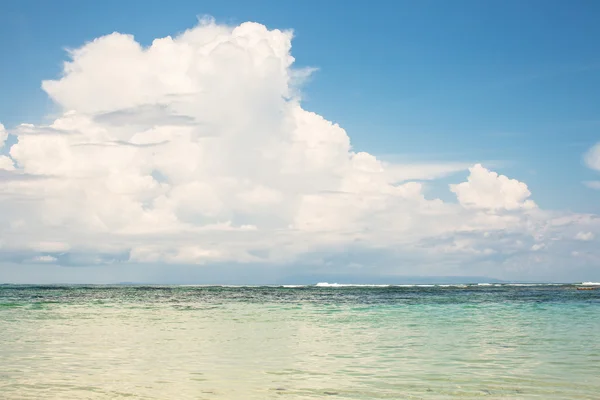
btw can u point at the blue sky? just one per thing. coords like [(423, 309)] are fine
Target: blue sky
[(514, 85)]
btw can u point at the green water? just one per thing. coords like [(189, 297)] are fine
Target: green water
[(494, 342)]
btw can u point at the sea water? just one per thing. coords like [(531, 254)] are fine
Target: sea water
[(299, 342)]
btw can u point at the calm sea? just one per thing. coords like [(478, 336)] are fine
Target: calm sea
[(395, 342)]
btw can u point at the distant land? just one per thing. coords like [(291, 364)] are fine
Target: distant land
[(311, 280), (385, 280), (405, 280)]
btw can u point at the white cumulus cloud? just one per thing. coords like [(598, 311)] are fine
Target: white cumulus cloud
[(197, 150), (486, 189)]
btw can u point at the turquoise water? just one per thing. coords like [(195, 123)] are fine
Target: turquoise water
[(496, 342)]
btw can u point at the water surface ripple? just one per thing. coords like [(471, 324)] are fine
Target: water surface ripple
[(391, 342)]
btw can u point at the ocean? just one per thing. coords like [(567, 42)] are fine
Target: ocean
[(494, 341)]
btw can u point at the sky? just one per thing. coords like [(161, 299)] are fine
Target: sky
[(276, 142)]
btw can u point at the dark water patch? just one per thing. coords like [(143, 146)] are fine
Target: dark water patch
[(361, 297)]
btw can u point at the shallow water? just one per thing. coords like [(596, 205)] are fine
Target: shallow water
[(497, 342)]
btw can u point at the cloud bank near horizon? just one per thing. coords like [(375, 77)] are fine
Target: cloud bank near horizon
[(196, 150)]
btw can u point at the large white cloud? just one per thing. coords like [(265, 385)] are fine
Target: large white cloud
[(196, 150)]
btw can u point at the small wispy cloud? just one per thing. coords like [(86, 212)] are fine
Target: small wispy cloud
[(592, 157), (592, 184), (145, 115), (44, 259), (121, 143), (6, 176), (585, 236), (30, 129)]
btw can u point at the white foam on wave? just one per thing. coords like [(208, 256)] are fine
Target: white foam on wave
[(333, 285), (531, 284), (413, 285), (456, 286), (240, 286), (423, 285), (195, 285), (524, 284), (440, 285)]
